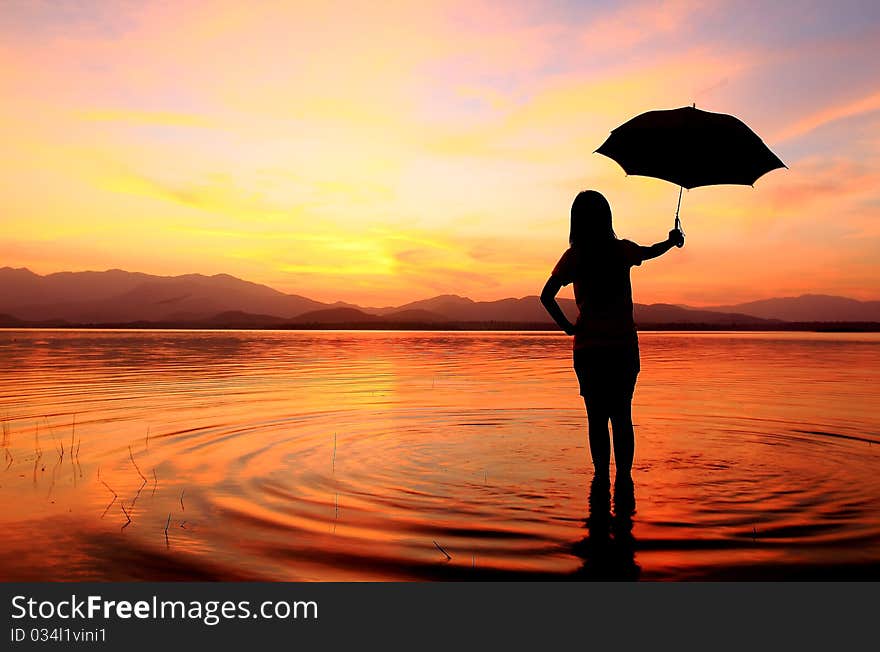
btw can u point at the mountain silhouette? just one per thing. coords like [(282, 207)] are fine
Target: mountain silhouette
[(120, 297), (336, 316), (808, 307), (456, 308), (240, 319), (664, 313)]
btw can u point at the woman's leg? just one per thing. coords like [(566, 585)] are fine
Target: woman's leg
[(624, 438), (600, 444)]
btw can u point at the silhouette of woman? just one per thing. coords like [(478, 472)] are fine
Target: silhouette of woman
[(606, 347)]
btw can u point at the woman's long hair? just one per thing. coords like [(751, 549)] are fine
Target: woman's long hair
[(590, 221)]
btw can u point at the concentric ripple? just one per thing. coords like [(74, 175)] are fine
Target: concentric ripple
[(375, 455)]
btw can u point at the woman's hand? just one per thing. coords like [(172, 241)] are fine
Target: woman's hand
[(675, 239)]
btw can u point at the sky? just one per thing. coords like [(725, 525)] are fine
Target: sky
[(379, 153)]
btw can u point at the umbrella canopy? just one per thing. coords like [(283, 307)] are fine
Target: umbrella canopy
[(690, 148)]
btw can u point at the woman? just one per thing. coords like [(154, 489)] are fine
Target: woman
[(606, 347)]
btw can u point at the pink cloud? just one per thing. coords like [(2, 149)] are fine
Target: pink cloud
[(838, 111)]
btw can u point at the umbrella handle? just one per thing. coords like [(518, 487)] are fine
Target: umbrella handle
[(678, 221)]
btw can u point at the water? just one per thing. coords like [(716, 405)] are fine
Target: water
[(375, 455)]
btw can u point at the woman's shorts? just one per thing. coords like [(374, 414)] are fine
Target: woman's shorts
[(607, 371)]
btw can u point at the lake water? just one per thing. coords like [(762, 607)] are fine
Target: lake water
[(155, 455)]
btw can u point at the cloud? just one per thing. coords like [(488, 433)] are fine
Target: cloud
[(819, 187), (162, 118), (568, 112), (634, 23), (841, 111), (217, 194)]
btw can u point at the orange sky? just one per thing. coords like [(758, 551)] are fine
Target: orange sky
[(384, 152)]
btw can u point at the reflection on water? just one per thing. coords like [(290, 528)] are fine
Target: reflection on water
[(371, 455), (608, 551)]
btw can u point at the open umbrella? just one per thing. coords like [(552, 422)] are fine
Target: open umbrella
[(690, 148)]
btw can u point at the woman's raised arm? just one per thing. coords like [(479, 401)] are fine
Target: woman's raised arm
[(655, 250)]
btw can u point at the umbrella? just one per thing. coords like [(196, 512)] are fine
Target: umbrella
[(690, 148)]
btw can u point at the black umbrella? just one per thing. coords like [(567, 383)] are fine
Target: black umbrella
[(690, 148)]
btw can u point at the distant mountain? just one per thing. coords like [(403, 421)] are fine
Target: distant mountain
[(358, 316), (445, 304), (455, 308), (8, 321), (223, 301), (117, 296), (664, 313), (808, 308), (415, 316), (239, 319), (21, 287), (529, 310), (336, 316)]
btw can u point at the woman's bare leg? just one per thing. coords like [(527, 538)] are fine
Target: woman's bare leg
[(600, 443), (624, 438)]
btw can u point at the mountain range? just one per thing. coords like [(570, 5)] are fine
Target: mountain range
[(120, 297)]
